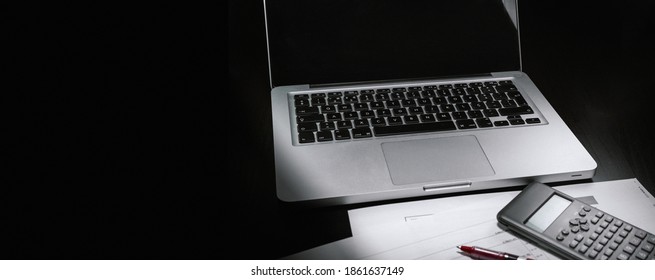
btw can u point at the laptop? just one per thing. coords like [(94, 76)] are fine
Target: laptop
[(378, 100)]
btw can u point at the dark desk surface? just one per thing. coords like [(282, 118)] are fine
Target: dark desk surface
[(593, 64)]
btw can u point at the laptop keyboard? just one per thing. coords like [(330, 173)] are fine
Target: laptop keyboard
[(342, 115)]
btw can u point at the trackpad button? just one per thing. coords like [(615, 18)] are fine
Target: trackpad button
[(436, 159)]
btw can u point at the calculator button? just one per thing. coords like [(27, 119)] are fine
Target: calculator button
[(608, 252), (573, 244), (623, 233), (586, 208), (584, 227), (575, 229), (574, 222), (609, 234), (635, 241), (582, 214), (593, 254), (613, 246), (640, 234), (565, 232), (604, 224), (647, 247), (578, 237), (582, 221), (603, 241), (641, 255), (593, 236), (598, 247), (651, 239), (588, 242), (609, 219), (594, 220), (628, 228), (613, 229), (618, 240), (622, 256), (599, 230), (560, 237), (599, 214), (583, 249), (629, 249), (618, 223), (603, 257)]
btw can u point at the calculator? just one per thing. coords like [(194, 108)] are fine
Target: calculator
[(571, 229)]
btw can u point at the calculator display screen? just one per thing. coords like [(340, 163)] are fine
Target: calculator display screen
[(545, 216)]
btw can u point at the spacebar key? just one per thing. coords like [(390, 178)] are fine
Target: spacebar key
[(414, 128)]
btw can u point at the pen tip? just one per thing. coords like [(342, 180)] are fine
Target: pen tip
[(459, 247)]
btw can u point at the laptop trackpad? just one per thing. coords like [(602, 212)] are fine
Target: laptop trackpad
[(436, 159)]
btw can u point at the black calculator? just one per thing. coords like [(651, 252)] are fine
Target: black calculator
[(571, 229)]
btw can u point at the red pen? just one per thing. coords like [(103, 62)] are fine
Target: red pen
[(486, 254)]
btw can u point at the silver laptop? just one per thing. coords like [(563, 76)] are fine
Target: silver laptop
[(376, 100)]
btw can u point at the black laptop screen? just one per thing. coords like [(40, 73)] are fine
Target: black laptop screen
[(337, 41)]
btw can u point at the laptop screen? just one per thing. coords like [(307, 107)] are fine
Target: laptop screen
[(342, 41)]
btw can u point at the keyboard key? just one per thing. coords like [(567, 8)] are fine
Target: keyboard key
[(475, 114), (393, 104), (334, 100), (490, 113), (484, 122), (428, 118), (350, 115), (411, 119), (304, 127), (447, 108), (523, 110), (501, 123), (361, 106), (414, 128), (377, 105), (415, 110), (463, 107), (394, 120), (466, 124), (363, 132), (533, 120), (443, 116), (494, 105), (306, 137), (460, 115), (383, 112), (306, 110), (342, 134), (323, 136), (378, 122), (326, 126), (301, 102), (399, 112), (367, 114), (344, 124), (382, 96), (345, 108), (516, 121), (360, 123), (319, 101), (334, 117)]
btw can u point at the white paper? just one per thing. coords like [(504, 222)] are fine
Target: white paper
[(431, 229)]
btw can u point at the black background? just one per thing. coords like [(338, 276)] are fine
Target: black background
[(125, 140)]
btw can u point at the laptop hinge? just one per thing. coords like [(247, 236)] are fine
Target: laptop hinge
[(486, 75)]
